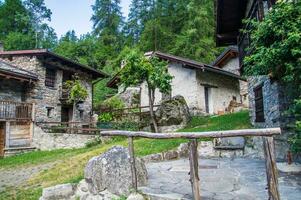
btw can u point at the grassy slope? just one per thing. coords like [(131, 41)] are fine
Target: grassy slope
[(70, 163)]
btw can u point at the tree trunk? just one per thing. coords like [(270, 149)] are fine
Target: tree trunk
[(151, 98)]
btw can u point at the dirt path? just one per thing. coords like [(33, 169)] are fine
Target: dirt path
[(18, 176)]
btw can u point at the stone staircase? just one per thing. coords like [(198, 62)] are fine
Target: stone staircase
[(231, 146)]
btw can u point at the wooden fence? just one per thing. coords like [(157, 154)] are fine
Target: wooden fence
[(268, 145), (138, 112)]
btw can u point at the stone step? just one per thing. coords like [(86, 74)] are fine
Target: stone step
[(155, 195), (229, 147), (232, 144), (17, 150)]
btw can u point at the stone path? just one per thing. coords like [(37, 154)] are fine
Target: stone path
[(221, 179), (18, 176)]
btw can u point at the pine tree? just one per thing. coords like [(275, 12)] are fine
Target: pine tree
[(107, 17), (196, 39)]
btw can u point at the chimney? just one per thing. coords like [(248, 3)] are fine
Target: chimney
[(1, 46)]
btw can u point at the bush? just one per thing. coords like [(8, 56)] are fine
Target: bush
[(93, 142), (106, 108)]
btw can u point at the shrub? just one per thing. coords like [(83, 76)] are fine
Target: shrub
[(106, 108)]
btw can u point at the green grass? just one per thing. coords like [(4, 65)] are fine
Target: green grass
[(40, 157), (239, 120), (69, 164)]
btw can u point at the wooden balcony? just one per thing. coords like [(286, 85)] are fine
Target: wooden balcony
[(10, 110)]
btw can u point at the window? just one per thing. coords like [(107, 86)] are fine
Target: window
[(49, 111), (50, 77), (259, 108), (81, 114)]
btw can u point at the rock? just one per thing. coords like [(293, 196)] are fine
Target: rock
[(171, 155), (135, 196), (230, 143), (58, 192), (206, 150), (112, 171), (153, 157), (130, 97), (183, 150), (173, 112)]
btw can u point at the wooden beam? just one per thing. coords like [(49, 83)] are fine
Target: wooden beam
[(7, 134), (194, 169), (194, 135), (133, 164), (271, 168)]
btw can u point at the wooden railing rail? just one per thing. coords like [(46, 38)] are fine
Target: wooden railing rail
[(15, 110), (268, 144)]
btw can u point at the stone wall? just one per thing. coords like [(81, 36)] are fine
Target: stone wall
[(45, 97), (10, 90), (222, 90), (50, 141), (232, 66), (275, 104)]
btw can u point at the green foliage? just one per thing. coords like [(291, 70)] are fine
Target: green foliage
[(110, 104), (138, 68), (113, 103), (22, 25), (276, 51), (96, 141), (295, 140), (276, 44), (77, 92)]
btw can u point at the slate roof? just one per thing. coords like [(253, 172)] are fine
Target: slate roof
[(185, 62), (47, 53), (13, 71)]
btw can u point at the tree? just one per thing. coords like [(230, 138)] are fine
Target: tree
[(38, 13), (14, 18), (139, 69), (196, 38), (77, 92), (276, 51), (107, 17)]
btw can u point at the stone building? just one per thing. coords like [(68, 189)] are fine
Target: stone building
[(229, 61), (32, 90), (207, 89), (267, 99)]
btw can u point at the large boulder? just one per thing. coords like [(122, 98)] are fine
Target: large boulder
[(173, 112), (130, 96), (112, 171)]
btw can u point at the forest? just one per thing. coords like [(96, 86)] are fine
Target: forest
[(180, 27)]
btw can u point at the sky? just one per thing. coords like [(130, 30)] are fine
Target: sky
[(75, 15)]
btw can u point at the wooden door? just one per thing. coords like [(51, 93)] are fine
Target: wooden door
[(2, 139), (207, 99), (65, 114)]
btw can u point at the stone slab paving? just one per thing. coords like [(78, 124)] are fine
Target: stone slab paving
[(220, 179)]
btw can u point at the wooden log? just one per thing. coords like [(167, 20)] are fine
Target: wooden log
[(194, 135), (133, 164), (194, 169), (271, 168)]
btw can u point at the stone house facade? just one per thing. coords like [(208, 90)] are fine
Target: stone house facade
[(46, 92), (206, 89), (268, 101)]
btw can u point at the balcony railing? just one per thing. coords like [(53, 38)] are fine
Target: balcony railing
[(10, 110)]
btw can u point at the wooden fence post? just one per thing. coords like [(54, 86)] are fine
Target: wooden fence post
[(133, 164), (194, 166), (271, 168)]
